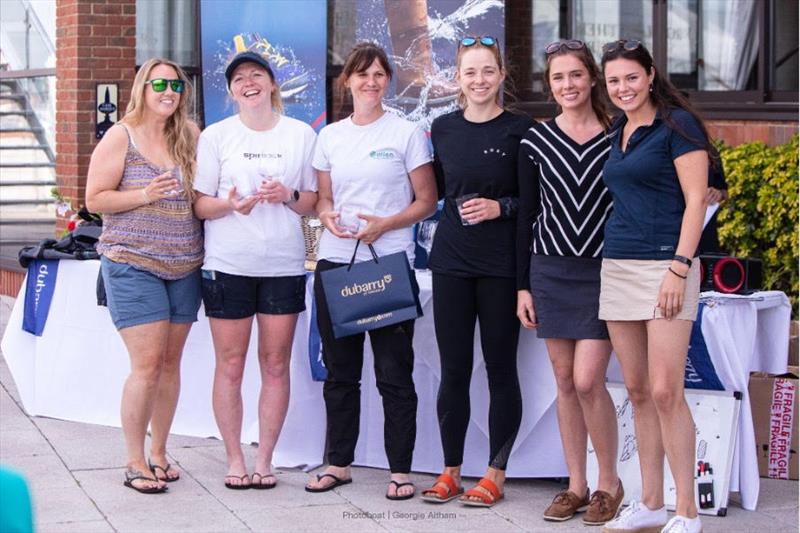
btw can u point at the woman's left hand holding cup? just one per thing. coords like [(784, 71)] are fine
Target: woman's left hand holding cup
[(162, 186)]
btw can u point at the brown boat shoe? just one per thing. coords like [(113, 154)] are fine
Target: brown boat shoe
[(603, 507), (565, 505)]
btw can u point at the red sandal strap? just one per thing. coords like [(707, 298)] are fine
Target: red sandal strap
[(489, 485), (443, 492), (448, 480), (475, 493)]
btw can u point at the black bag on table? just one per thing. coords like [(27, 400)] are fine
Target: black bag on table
[(79, 244)]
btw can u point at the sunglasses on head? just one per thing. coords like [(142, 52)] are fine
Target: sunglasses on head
[(159, 85), (486, 40), (626, 44), (569, 44)]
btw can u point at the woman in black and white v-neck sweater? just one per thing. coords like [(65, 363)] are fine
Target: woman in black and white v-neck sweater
[(563, 208)]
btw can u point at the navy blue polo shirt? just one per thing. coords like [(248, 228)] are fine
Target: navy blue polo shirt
[(648, 201)]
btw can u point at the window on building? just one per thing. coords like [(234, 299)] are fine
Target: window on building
[(170, 29), (167, 28), (734, 59), (713, 45), (597, 22), (784, 60)]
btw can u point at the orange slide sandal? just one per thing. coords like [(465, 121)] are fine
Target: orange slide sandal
[(486, 500), (439, 494)]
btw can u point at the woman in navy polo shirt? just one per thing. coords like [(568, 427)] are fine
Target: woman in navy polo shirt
[(657, 174)]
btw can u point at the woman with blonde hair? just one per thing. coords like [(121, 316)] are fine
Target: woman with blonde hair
[(140, 177), (472, 260), (254, 180)]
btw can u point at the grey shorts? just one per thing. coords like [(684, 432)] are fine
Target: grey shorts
[(138, 297)]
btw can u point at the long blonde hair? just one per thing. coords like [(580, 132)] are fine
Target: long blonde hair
[(180, 139)]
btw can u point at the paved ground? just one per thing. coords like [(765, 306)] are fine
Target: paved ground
[(75, 472)]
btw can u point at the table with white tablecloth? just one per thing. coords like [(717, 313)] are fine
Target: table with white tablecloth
[(76, 369)]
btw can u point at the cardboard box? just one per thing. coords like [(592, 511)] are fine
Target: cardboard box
[(794, 345), (773, 400)]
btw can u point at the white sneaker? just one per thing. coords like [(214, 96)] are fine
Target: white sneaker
[(637, 518), (681, 524)]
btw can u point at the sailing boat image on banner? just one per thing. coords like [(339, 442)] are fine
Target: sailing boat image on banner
[(295, 46)]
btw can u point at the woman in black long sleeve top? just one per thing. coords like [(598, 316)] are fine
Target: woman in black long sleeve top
[(473, 264)]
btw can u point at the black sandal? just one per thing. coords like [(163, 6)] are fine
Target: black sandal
[(397, 486), (239, 486), (337, 482), (135, 475), (262, 477), (164, 469)]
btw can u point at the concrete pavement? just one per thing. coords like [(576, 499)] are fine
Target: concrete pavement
[(75, 472)]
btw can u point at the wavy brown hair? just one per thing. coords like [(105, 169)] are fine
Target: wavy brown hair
[(180, 140), (600, 104), (664, 96)]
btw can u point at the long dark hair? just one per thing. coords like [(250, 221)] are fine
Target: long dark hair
[(664, 96), (599, 96)]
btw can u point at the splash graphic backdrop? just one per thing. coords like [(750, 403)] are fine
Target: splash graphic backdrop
[(421, 38), (293, 39)]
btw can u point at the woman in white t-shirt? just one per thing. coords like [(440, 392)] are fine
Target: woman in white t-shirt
[(375, 182), (254, 181)]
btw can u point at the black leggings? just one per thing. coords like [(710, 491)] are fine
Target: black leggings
[(457, 302)]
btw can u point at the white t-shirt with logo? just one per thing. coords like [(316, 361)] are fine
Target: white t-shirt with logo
[(369, 168), (268, 242)]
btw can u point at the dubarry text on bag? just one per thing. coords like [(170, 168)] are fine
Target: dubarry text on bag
[(370, 294)]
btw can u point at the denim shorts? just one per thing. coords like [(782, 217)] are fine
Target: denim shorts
[(138, 297), (233, 296)]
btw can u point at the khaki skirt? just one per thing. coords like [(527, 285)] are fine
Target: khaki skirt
[(629, 289)]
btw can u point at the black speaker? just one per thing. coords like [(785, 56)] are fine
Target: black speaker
[(732, 275)]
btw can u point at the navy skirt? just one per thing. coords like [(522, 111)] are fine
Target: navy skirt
[(566, 297)]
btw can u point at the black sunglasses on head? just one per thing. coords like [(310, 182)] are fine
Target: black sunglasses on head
[(159, 85), (626, 44), (569, 44), (486, 40)]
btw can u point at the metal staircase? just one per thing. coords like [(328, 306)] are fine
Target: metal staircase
[(27, 130)]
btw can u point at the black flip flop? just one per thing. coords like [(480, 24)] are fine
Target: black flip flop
[(164, 469), (337, 482), (262, 477), (396, 488), (134, 475), (240, 486)]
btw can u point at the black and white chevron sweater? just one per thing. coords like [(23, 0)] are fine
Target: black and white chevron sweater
[(563, 202)]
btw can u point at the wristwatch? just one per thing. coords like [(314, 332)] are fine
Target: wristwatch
[(685, 260), (293, 198)]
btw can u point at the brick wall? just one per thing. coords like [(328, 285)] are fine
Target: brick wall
[(95, 43), (10, 282), (735, 132)]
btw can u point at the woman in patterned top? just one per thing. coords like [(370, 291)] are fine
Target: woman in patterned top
[(563, 208), (140, 177)]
